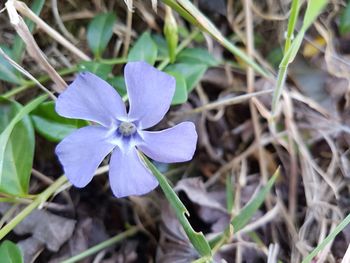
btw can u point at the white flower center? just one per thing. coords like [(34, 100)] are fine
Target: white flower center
[(127, 128)]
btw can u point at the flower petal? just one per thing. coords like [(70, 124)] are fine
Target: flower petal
[(82, 152), (150, 93), (128, 175), (90, 98), (176, 144)]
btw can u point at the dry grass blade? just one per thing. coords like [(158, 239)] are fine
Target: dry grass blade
[(26, 73), (226, 102), (32, 47), (24, 10)]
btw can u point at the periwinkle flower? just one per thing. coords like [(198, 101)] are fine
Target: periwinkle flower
[(123, 133)]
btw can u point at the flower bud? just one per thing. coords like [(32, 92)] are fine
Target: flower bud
[(171, 33)]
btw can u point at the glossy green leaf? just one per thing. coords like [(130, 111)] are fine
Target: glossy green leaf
[(197, 238), (344, 26), (181, 94), (7, 71), (191, 72), (10, 253), (52, 126), (118, 83), (249, 210), (18, 44), (161, 45), (101, 70), (16, 145), (197, 55), (144, 49), (100, 31)]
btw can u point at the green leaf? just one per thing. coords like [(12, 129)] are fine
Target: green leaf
[(118, 83), (10, 253), (197, 238), (162, 46), (249, 210), (7, 71), (344, 26), (100, 31), (191, 72), (197, 55), (180, 95), (144, 49), (18, 44), (101, 70), (16, 145), (52, 126)]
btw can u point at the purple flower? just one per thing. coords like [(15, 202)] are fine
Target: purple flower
[(123, 133)]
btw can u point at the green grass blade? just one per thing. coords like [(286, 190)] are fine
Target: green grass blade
[(294, 13), (328, 239), (249, 210), (103, 245), (197, 238), (5, 135), (314, 8)]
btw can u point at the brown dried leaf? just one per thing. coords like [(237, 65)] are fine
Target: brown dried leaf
[(209, 209)]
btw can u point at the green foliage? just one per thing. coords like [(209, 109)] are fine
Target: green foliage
[(230, 196), (343, 224), (100, 31), (314, 8), (249, 210), (118, 83), (16, 145), (275, 56), (161, 45), (10, 253), (197, 56), (192, 14), (100, 69), (52, 126), (344, 26), (7, 71), (190, 71), (144, 49), (197, 238), (180, 95)]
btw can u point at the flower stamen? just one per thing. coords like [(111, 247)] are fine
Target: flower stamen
[(127, 128)]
